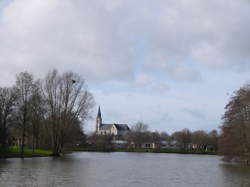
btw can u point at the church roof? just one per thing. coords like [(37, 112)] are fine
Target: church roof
[(120, 127)]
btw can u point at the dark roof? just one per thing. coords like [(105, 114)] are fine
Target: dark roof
[(120, 127), (123, 127)]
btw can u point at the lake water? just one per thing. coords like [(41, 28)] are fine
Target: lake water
[(123, 170)]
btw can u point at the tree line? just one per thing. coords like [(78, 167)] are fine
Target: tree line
[(183, 140), (139, 135), (44, 113)]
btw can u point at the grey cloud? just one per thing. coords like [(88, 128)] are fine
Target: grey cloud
[(194, 113), (99, 39), (148, 82), (211, 33), (41, 35)]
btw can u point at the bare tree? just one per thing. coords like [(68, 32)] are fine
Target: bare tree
[(234, 142), (68, 100), (101, 142), (7, 103), (183, 138), (38, 111), (155, 137), (139, 127), (24, 87), (213, 138), (138, 134)]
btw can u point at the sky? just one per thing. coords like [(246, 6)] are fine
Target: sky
[(171, 64)]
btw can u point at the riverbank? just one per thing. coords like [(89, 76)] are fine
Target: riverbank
[(14, 152), (142, 150)]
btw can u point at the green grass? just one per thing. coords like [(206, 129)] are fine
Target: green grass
[(15, 151)]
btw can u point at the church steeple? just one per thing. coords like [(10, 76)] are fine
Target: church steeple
[(99, 114), (98, 120)]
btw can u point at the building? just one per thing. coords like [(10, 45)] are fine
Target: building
[(110, 129)]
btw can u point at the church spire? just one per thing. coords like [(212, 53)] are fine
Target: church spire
[(99, 114), (98, 120)]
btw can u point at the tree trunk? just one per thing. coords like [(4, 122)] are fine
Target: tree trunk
[(24, 131), (23, 142)]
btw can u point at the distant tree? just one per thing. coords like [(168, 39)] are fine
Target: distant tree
[(155, 137), (138, 134), (200, 139), (213, 137), (101, 142), (7, 104), (183, 138), (139, 127), (164, 136)]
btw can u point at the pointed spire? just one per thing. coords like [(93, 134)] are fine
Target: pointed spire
[(99, 112)]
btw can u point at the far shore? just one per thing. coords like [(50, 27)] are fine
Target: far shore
[(143, 150), (14, 152)]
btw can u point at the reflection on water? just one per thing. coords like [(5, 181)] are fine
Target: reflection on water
[(236, 175), (122, 170)]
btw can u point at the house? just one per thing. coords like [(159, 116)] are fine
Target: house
[(114, 129), (150, 145), (120, 143)]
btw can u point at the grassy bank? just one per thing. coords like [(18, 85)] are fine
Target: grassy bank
[(14, 152), (141, 150)]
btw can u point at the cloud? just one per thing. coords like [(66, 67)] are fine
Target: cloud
[(40, 35), (210, 33), (194, 113), (146, 81), (141, 58), (100, 39)]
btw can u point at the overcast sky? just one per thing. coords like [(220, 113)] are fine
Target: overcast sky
[(170, 63)]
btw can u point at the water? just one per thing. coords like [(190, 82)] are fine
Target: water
[(123, 170)]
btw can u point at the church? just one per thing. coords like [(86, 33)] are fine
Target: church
[(110, 129)]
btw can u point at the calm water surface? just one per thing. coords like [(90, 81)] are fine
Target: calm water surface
[(123, 170)]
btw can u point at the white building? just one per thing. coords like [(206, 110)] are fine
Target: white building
[(110, 129)]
